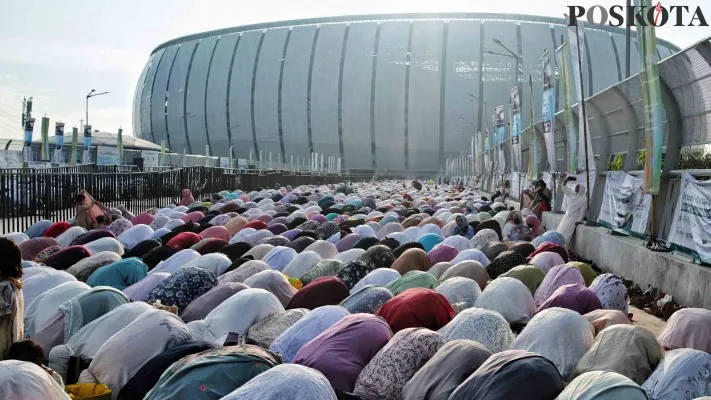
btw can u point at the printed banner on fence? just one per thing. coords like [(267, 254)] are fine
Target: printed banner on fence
[(652, 98), (515, 104), (150, 158), (576, 37), (571, 130), (500, 137), (225, 162), (108, 155), (690, 231), (10, 159), (548, 110), (625, 207)]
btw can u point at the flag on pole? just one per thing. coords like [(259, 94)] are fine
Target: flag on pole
[(44, 151), (27, 149), (533, 146), (515, 101), (576, 37), (563, 56), (75, 145), (86, 159), (58, 142), (119, 144), (548, 110), (500, 136), (652, 98)]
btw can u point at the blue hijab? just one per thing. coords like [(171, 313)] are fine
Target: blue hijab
[(119, 275), (429, 240)]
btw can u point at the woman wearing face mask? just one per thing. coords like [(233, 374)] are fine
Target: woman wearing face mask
[(515, 229)]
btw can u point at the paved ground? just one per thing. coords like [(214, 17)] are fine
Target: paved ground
[(647, 321)]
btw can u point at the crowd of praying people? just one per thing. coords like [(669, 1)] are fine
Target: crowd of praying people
[(383, 290)]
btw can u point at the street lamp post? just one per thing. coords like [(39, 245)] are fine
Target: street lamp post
[(510, 55), (88, 96)]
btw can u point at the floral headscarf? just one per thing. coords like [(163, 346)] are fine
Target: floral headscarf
[(184, 286), (388, 372), (484, 326)]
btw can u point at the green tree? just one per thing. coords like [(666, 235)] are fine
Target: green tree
[(695, 159), (617, 161)]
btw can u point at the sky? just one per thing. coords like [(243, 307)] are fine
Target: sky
[(57, 51)]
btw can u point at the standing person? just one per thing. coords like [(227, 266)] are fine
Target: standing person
[(503, 192), (88, 210), (538, 200), (187, 198), (11, 299), (576, 209)]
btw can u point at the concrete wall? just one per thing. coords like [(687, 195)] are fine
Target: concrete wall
[(689, 283)]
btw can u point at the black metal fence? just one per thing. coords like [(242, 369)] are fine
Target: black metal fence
[(30, 195)]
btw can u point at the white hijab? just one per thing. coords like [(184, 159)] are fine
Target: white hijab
[(134, 235), (560, 335), (349, 255), (216, 263), (105, 244), (510, 298), (87, 341), (42, 281), (66, 238), (376, 277), (117, 361), (177, 260), (323, 248), (682, 374), (47, 303), (236, 315), (25, 380), (301, 264), (274, 282)]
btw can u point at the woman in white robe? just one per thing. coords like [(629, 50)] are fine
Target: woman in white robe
[(577, 207)]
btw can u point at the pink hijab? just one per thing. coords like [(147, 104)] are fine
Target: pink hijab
[(95, 210), (194, 216), (187, 199), (555, 278), (442, 253), (145, 219), (217, 232)]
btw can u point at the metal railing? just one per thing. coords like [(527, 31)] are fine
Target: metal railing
[(30, 195)]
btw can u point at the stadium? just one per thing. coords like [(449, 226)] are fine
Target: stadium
[(390, 94)]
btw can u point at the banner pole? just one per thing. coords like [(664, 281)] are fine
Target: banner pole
[(585, 121)]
